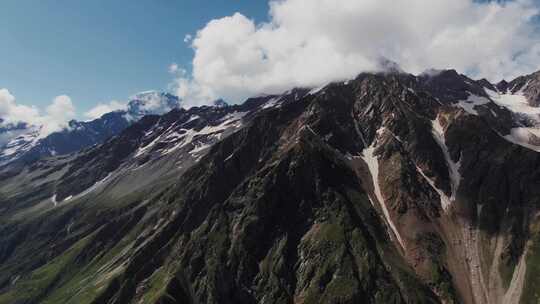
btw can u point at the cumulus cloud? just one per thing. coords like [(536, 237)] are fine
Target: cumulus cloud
[(11, 112), (312, 42), (56, 116), (61, 109), (104, 108)]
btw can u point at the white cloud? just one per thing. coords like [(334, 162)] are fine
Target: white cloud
[(311, 42), (11, 112), (56, 117), (187, 38), (104, 108), (61, 109), (58, 114), (174, 68)]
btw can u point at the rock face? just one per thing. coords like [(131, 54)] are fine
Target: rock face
[(389, 188)]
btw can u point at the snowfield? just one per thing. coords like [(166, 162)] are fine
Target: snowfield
[(528, 137)]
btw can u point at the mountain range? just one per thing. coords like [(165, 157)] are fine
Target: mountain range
[(386, 188), (25, 143)]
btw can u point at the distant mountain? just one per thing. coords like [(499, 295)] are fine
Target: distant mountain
[(23, 143), (387, 188), (151, 103), (9, 131), (220, 103), (528, 85)]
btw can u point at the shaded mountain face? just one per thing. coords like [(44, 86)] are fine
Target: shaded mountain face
[(388, 188), (23, 143)]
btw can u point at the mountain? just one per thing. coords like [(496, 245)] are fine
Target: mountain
[(387, 188), (16, 140), (528, 85), (24, 143), (150, 103), (9, 131)]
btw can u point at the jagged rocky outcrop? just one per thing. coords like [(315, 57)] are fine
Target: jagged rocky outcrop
[(388, 188)]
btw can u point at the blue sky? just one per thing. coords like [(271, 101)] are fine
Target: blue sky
[(97, 51), (100, 50)]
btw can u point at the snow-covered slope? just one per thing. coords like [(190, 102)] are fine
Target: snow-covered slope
[(526, 130)]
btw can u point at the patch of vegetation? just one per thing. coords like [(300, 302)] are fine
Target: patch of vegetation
[(82, 285), (157, 286), (35, 286), (441, 279)]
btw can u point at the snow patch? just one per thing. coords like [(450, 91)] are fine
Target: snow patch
[(373, 165), (144, 149), (522, 136), (516, 103), (229, 121), (445, 200), (453, 167), (527, 137), (316, 90), (271, 103), (229, 157), (472, 102), (53, 200), (192, 118), (198, 148)]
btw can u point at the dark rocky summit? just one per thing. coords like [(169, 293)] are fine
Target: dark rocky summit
[(388, 188)]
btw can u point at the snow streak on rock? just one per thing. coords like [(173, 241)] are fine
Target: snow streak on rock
[(53, 200), (373, 166), (453, 167), (189, 136), (271, 103), (445, 200)]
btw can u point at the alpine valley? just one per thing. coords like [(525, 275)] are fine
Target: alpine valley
[(386, 188)]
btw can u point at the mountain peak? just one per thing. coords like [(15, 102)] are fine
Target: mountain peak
[(502, 85), (152, 102), (220, 103)]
